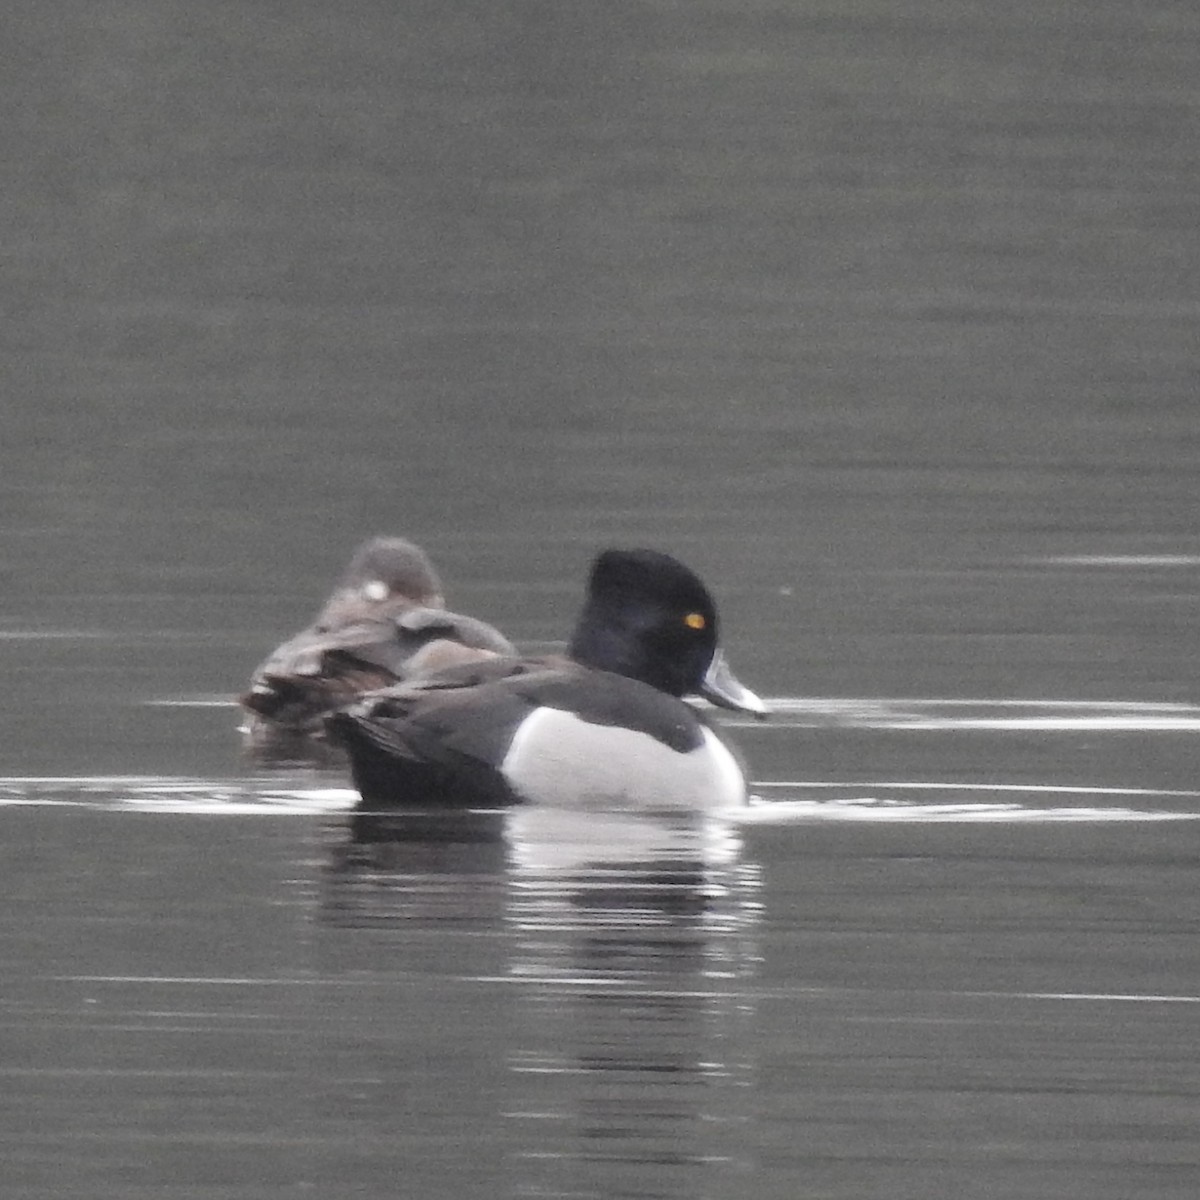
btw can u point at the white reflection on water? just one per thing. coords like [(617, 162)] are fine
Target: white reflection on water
[(635, 964), (623, 950)]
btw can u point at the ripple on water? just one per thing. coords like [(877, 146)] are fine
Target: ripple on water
[(774, 802), (172, 794), (948, 715)]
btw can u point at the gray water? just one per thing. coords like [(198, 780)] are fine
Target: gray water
[(882, 317)]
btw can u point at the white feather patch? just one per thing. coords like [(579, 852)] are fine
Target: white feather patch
[(557, 758)]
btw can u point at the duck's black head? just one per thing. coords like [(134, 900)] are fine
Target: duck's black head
[(649, 617)]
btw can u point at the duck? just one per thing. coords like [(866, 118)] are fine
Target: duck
[(385, 620), (604, 725)]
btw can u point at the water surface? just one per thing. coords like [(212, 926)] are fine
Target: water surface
[(883, 319)]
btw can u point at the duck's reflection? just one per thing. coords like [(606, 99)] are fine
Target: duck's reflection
[(628, 943), (634, 951), (419, 870)]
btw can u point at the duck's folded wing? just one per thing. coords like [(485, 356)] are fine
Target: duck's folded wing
[(319, 670), (418, 626), (324, 669), (469, 709), (438, 739), (469, 713)]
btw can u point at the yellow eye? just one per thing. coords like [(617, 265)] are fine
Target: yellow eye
[(695, 621)]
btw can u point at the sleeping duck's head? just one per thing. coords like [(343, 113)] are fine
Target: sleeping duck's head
[(384, 572)]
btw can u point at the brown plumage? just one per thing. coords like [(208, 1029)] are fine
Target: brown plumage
[(384, 622)]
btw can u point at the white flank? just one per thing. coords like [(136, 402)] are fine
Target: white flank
[(556, 758)]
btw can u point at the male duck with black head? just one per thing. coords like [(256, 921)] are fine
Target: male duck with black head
[(606, 725)]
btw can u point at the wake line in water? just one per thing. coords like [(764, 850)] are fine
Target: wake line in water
[(875, 801), (1133, 561), (871, 808), (172, 794), (1033, 788), (942, 715), (890, 802), (814, 712)]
